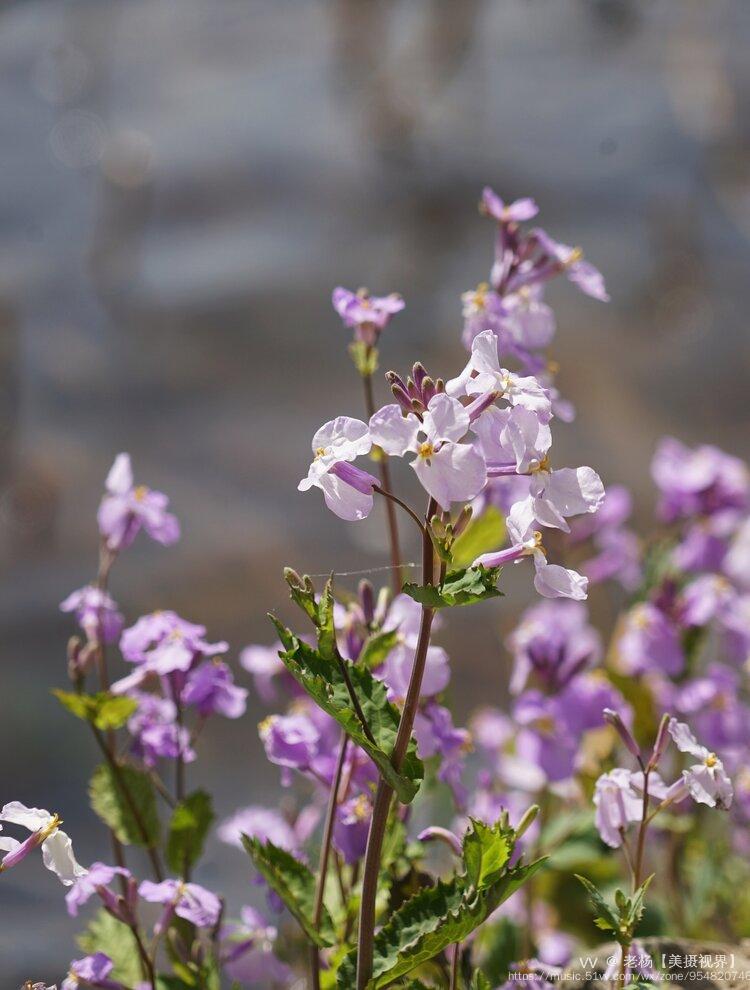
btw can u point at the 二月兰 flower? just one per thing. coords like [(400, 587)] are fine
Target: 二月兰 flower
[(56, 845), (706, 779), (347, 490), (127, 508)]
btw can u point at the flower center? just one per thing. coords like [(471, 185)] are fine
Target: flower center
[(426, 449), (575, 256), (140, 493), (319, 452), (542, 465), (711, 760)]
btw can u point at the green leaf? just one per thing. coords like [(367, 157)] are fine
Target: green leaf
[(479, 981), (322, 677), (295, 885), (126, 802), (438, 916), (637, 904), (191, 820), (104, 710), (463, 587), (483, 534), (605, 918), (376, 648), (110, 936)]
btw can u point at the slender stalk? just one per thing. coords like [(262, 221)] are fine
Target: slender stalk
[(325, 853), (130, 801), (454, 966), (390, 497), (384, 793), (390, 510), (640, 848), (146, 964)]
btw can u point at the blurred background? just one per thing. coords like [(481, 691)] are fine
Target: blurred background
[(183, 182)]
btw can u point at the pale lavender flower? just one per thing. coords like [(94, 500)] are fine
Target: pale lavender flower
[(96, 613), (706, 598), (736, 563), (126, 509), (706, 780), (259, 823), (516, 212), (247, 951), (553, 642), (698, 482), (396, 671), (436, 735), (156, 734), (449, 471), (619, 558), (482, 309), (713, 703), (513, 440), (650, 640), (210, 689), (561, 258), (352, 826), (187, 900), (91, 971), (290, 741), (618, 799), (56, 845), (553, 496), (97, 881), (550, 580), (483, 373), (348, 494), (367, 315)]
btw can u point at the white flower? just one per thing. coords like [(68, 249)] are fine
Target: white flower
[(706, 780), (57, 848), (335, 444)]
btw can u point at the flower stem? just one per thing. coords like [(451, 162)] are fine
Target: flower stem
[(384, 793), (325, 854), (390, 509), (454, 966)]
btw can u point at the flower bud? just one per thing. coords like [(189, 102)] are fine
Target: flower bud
[(661, 743), (623, 731)]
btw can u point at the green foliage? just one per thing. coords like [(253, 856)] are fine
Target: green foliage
[(295, 885), (445, 913), (191, 820), (463, 587), (483, 535), (104, 710), (324, 678), (479, 981), (376, 648), (126, 802), (110, 936), (620, 919)]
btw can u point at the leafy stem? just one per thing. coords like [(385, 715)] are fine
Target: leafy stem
[(384, 792)]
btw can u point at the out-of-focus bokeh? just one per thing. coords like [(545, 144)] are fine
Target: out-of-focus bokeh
[(182, 183)]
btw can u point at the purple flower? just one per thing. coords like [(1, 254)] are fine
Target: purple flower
[(262, 824), (544, 738), (650, 640), (290, 740), (97, 881), (713, 704), (186, 900), (708, 597), (513, 440), (698, 482), (160, 644), (247, 951), (483, 374), (96, 613), (561, 258), (125, 510), (448, 470), (619, 558), (553, 643), (436, 735), (550, 580), (516, 212), (396, 671), (736, 564), (367, 315), (618, 799), (706, 780), (483, 309), (347, 493), (91, 971), (210, 688), (265, 664), (352, 826), (155, 732)]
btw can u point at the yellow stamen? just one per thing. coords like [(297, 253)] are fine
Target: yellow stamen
[(575, 255), (426, 449), (319, 452), (140, 493), (711, 760)]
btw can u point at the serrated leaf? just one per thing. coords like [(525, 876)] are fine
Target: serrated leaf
[(126, 802), (322, 677), (295, 885), (449, 912), (376, 648), (463, 587), (104, 710), (110, 936), (190, 822), (605, 918), (637, 903), (483, 534)]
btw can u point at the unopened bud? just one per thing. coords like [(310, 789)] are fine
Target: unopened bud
[(527, 820), (661, 743), (623, 731)]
